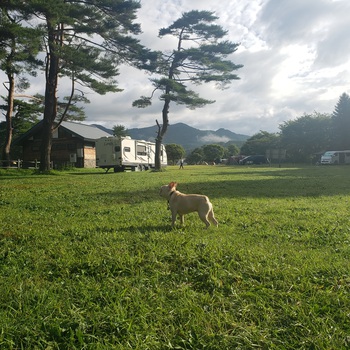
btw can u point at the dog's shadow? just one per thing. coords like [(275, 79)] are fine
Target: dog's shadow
[(146, 229), (163, 228)]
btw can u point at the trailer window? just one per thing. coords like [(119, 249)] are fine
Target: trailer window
[(117, 148), (141, 150), (126, 149)]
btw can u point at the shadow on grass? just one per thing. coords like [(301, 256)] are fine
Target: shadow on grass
[(145, 229), (140, 228), (274, 183), (89, 172)]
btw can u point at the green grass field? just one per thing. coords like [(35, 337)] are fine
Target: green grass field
[(88, 260)]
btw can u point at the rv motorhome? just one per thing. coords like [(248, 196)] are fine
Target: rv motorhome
[(123, 153)]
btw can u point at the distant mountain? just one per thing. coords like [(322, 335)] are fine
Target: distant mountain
[(187, 136), (109, 131)]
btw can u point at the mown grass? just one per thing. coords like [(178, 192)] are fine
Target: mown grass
[(88, 260)]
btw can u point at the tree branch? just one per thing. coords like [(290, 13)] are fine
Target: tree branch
[(29, 96)]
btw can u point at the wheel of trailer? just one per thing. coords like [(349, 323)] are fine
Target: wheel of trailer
[(141, 167)]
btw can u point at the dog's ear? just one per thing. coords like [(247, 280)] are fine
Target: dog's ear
[(172, 185)]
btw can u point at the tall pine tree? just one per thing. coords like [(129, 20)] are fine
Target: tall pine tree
[(341, 123), (199, 57)]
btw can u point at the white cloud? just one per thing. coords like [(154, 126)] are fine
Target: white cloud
[(212, 138)]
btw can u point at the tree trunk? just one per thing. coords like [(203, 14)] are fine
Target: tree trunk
[(48, 125), (46, 144), (161, 132), (8, 137), (165, 115), (50, 110), (158, 164)]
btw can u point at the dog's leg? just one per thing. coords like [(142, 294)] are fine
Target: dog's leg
[(212, 217), (182, 219), (204, 218), (173, 218)]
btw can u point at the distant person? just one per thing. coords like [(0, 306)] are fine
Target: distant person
[(181, 164)]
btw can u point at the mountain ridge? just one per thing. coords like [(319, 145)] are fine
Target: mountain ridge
[(186, 136)]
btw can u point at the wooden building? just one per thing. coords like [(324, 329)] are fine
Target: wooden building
[(72, 144)]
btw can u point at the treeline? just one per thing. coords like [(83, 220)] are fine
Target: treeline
[(303, 139), (307, 136)]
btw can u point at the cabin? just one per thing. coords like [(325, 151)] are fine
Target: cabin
[(72, 144)]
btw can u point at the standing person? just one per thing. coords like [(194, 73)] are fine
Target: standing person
[(181, 164)]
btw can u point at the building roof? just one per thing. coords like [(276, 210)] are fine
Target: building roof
[(87, 132)]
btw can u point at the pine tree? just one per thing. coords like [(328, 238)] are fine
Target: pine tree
[(204, 62), (341, 123), (18, 48)]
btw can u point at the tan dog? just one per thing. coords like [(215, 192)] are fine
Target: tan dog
[(181, 204)]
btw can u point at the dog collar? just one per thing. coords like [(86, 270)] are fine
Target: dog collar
[(172, 192)]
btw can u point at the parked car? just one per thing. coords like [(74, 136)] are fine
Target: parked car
[(258, 159)]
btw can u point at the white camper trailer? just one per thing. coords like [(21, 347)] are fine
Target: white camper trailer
[(125, 153)]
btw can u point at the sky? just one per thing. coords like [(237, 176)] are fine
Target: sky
[(295, 53)]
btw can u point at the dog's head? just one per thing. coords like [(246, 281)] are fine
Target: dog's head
[(166, 190)]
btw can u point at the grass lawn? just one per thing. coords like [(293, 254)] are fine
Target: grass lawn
[(88, 260)]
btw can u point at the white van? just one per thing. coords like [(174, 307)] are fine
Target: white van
[(336, 157)]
